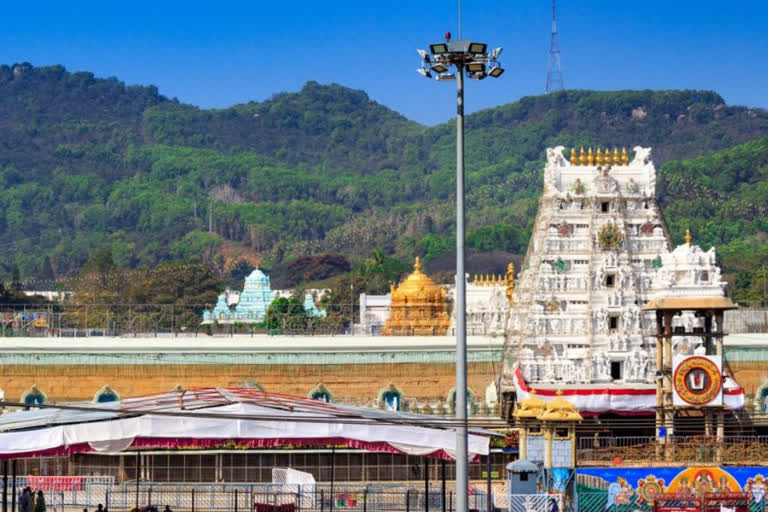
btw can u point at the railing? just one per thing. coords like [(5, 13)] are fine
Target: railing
[(704, 450), (625, 501), (86, 320), (71, 320), (60, 492), (600, 451), (279, 497), (529, 502), (749, 318), (569, 245), (169, 320), (647, 245)]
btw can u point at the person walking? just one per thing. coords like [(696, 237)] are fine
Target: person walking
[(40, 502), (25, 502)]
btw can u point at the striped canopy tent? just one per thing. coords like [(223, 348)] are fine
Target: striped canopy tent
[(210, 417)]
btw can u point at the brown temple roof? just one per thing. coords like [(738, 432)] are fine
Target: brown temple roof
[(689, 303)]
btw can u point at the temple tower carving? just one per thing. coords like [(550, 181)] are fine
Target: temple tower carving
[(599, 251)]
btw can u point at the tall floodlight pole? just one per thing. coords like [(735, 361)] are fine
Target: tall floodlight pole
[(471, 58)]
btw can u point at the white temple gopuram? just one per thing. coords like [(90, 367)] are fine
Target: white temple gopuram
[(487, 303), (598, 253)]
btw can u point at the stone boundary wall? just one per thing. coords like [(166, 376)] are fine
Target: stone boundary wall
[(750, 375), (740, 321), (349, 383)]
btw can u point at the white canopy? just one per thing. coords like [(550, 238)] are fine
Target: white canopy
[(211, 417)]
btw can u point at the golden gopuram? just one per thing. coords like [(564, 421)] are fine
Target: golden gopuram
[(419, 307)]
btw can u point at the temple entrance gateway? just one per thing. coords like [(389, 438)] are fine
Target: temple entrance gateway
[(598, 253), (690, 382)]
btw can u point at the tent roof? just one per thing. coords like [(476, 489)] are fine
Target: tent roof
[(211, 416)]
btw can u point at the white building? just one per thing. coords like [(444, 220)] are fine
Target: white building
[(374, 311), (598, 253), (487, 306)]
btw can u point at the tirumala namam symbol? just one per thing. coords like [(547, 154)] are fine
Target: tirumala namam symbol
[(697, 379)]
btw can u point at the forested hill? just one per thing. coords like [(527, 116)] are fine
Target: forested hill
[(90, 163), (51, 118), (722, 199)]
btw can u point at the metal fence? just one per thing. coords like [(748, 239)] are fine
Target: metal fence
[(256, 466), (650, 451), (68, 319), (85, 320), (90, 320), (530, 502), (747, 319), (60, 492), (83, 493)]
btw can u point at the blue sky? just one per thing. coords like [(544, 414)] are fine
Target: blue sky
[(218, 54)]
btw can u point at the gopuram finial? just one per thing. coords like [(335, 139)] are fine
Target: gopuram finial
[(510, 282), (417, 264), (573, 157), (688, 236)]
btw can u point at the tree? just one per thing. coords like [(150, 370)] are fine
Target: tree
[(16, 285), (237, 274), (316, 268), (46, 272), (286, 314), (100, 262)]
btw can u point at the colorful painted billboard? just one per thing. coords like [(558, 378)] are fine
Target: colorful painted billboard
[(629, 489)]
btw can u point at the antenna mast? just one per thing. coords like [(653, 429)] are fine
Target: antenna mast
[(461, 34), (554, 71)]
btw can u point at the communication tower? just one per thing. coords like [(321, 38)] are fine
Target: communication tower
[(554, 71)]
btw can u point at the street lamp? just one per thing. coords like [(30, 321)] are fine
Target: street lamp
[(468, 57)]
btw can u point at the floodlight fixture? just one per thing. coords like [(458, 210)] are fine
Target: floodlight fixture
[(475, 67), (496, 71), (438, 48), (496, 52), (477, 47), (439, 68), (445, 76), (424, 72), (478, 76), (424, 55)]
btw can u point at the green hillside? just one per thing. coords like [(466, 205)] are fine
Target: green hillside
[(88, 163), (722, 199)]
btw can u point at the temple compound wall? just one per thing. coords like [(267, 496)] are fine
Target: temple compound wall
[(346, 369)]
